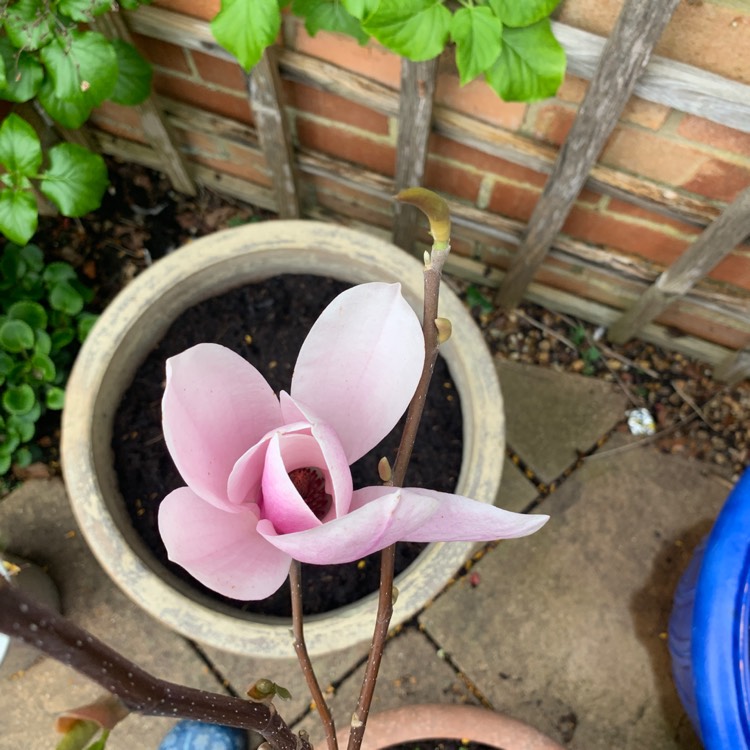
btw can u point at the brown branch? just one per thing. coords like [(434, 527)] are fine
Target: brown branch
[(141, 692), (295, 580), (432, 275)]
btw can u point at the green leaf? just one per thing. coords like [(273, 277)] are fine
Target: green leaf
[(3, 77), (33, 257), (84, 10), (82, 69), (75, 180), (522, 12), (9, 442), (55, 398), (23, 73), (23, 427), (328, 15), (133, 77), (30, 24), (360, 8), (78, 735), (417, 29), (531, 65), (65, 298), (16, 336), (20, 149), (30, 312), (58, 271), (246, 28), (19, 399), (18, 215), (6, 363), (43, 368), (42, 342), (477, 33), (5, 464), (85, 324), (61, 338), (22, 457), (71, 113)]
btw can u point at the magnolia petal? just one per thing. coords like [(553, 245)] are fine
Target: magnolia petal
[(282, 504), (221, 550), (216, 405), (460, 519), (334, 456), (359, 365), (375, 524)]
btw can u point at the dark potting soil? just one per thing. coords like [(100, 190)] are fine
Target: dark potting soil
[(444, 744), (266, 323)]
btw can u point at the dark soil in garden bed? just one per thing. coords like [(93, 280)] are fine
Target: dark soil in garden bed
[(266, 324)]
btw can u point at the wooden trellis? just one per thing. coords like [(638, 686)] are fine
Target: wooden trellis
[(616, 67)]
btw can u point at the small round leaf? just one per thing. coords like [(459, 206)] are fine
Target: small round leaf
[(85, 324), (29, 312), (43, 343), (65, 298), (43, 368), (55, 398), (61, 338), (58, 271), (22, 457), (19, 400), (24, 428), (16, 336)]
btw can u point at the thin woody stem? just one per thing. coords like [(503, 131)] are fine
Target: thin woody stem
[(295, 579), (139, 691), (432, 275)]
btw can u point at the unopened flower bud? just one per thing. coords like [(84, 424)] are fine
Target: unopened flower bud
[(384, 470), (444, 329), (394, 595)]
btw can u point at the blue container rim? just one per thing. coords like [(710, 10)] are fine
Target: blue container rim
[(720, 627)]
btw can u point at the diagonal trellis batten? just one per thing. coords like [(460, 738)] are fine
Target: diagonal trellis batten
[(266, 100), (418, 81), (714, 244), (154, 123), (623, 59)]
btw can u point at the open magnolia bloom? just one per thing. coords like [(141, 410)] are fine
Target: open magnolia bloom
[(268, 478)]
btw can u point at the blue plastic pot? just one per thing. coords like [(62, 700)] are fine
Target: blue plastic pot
[(709, 629)]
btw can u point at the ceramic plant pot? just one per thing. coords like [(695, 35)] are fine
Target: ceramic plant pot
[(132, 325), (419, 724)]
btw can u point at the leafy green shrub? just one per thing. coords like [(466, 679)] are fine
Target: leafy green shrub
[(42, 322), (509, 42), (46, 55)]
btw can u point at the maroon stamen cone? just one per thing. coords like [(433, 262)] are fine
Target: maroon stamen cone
[(311, 486)]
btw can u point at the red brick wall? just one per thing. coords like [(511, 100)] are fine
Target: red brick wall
[(682, 155)]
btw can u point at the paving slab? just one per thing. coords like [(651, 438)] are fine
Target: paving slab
[(516, 491), (412, 672), (37, 524), (551, 416), (568, 627)]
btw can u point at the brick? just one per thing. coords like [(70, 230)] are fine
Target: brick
[(237, 168), (734, 270), (204, 9), (513, 201), (650, 155), (202, 145), (713, 134), (630, 210), (162, 54), (485, 163), (221, 72), (348, 145), (719, 179), (351, 203), (445, 177), (234, 106), (118, 120), (322, 104), (552, 122), (477, 99), (370, 60), (609, 231), (710, 36)]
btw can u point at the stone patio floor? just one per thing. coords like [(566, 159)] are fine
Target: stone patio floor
[(565, 630)]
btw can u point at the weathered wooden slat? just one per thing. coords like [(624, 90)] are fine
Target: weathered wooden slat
[(625, 55), (266, 100), (714, 244), (418, 80), (195, 34), (675, 84), (155, 127), (735, 367)]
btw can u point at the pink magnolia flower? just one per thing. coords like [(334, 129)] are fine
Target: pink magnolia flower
[(268, 478)]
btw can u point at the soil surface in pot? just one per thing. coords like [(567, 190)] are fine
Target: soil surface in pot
[(444, 744), (266, 323)]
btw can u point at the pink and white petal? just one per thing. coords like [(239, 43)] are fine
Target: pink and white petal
[(282, 504), (336, 464), (215, 406), (460, 519), (379, 522), (359, 365), (222, 550)]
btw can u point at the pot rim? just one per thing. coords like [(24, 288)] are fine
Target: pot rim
[(138, 317)]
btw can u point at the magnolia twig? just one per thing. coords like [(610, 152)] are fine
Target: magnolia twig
[(141, 692), (295, 580), (437, 212)]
